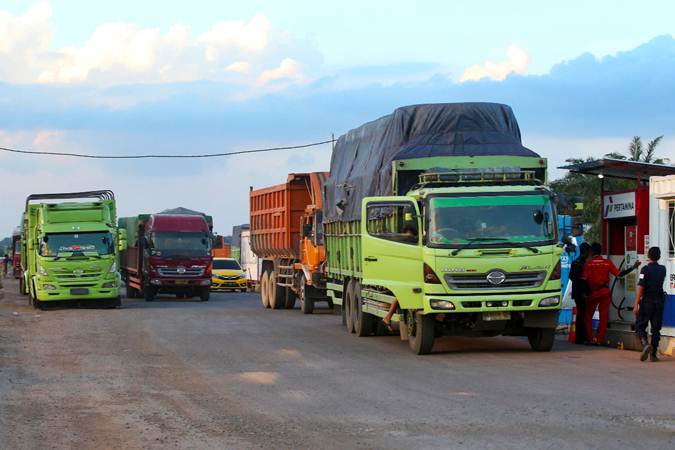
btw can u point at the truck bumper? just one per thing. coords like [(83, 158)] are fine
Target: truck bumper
[(493, 302), (177, 285), (47, 292)]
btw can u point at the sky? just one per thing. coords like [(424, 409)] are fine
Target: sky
[(209, 76)]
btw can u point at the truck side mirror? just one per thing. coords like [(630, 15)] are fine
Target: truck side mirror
[(121, 240), (306, 230)]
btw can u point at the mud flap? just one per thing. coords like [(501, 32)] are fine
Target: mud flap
[(541, 319), (403, 330)]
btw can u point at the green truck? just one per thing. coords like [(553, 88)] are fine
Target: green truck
[(70, 249), (441, 209)]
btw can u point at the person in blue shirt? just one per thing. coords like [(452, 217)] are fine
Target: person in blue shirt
[(649, 303)]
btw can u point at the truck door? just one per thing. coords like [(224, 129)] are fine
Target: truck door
[(391, 247)]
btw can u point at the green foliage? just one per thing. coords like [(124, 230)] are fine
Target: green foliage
[(637, 151)]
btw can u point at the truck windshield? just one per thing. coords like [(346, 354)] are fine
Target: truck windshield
[(490, 221), (226, 264), (180, 244), (77, 244)]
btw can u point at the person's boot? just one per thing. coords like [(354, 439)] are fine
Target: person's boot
[(653, 357), (646, 349)]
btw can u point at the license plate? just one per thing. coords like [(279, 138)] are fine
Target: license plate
[(181, 281), (79, 291), (492, 316)]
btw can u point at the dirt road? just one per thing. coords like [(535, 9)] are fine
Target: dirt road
[(228, 374)]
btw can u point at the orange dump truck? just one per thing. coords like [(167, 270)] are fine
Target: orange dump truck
[(287, 234)]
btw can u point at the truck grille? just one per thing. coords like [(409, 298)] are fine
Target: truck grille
[(181, 271), (512, 280), (75, 274)]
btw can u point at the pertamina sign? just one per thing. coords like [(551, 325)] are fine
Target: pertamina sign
[(615, 206)]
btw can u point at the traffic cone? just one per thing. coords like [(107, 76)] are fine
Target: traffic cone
[(572, 336)]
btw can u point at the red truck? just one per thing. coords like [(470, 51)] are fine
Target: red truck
[(16, 253), (287, 234), (167, 253)]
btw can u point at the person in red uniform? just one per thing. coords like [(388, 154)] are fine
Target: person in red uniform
[(596, 273)]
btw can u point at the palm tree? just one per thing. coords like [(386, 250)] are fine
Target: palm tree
[(637, 152)]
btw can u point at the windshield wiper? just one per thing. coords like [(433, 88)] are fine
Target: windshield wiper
[(471, 241), (532, 249)]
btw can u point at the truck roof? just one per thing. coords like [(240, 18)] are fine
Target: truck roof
[(178, 222)]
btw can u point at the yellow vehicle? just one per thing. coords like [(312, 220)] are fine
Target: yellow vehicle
[(228, 276)]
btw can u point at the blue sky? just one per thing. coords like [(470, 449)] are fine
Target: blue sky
[(131, 77)]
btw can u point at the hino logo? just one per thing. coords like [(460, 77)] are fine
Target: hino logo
[(78, 272), (496, 277), (180, 269)]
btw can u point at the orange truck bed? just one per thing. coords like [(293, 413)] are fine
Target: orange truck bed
[(276, 213)]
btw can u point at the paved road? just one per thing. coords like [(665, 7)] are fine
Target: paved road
[(228, 374)]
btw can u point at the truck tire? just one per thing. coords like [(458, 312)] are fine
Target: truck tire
[(205, 294), (541, 339), (277, 300), (306, 300), (149, 293), (290, 298), (348, 305), (421, 332), (131, 291), (364, 323), (264, 291), (22, 289)]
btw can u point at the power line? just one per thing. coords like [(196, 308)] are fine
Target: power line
[(205, 155)]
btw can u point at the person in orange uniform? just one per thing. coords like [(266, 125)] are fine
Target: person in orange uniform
[(596, 273)]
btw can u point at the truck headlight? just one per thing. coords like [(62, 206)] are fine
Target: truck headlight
[(42, 270), (108, 285), (442, 304), (48, 287), (156, 282), (113, 267), (550, 301)]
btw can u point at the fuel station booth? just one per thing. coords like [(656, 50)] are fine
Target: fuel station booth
[(626, 238)]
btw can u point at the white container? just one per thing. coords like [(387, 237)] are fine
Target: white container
[(662, 234)]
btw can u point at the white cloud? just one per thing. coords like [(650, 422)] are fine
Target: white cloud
[(289, 70), (517, 61), (119, 53), (238, 67), (225, 36)]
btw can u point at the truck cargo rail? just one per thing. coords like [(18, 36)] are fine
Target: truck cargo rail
[(101, 195)]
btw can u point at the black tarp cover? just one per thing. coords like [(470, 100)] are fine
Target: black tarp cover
[(361, 161)]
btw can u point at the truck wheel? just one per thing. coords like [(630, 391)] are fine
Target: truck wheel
[(290, 298), (21, 288), (421, 332), (131, 292), (363, 322), (264, 291), (205, 294), (306, 301), (277, 300), (149, 293), (541, 339), (348, 305)]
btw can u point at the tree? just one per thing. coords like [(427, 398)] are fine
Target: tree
[(637, 152)]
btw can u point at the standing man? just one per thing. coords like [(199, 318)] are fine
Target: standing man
[(596, 273), (650, 291), (580, 291)]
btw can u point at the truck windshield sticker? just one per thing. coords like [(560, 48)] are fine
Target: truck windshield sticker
[(490, 220), (99, 242)]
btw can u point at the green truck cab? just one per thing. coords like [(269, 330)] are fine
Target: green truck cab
[(464, 239), (70, 249)]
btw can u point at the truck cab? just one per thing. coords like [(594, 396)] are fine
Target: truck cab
[(468, 252), (168, 253), (70, 250)]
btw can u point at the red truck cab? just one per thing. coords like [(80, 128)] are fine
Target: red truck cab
[(170, 254), (16, 255)]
